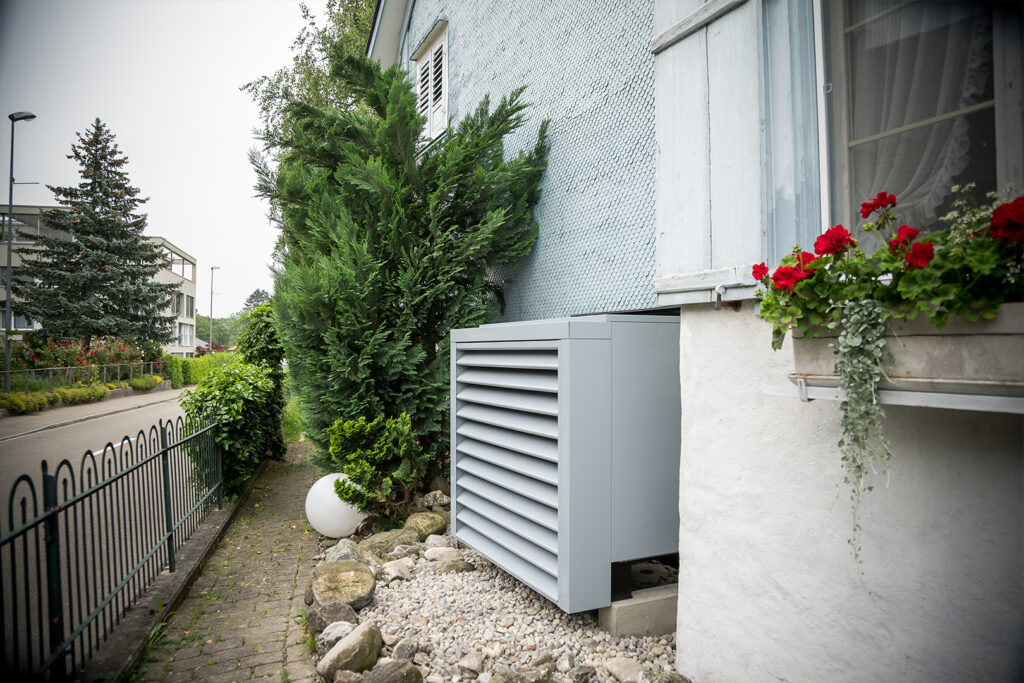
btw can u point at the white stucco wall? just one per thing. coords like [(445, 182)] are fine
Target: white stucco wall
[(768, 589)]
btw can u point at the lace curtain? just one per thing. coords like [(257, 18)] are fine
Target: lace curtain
[(909, 64)]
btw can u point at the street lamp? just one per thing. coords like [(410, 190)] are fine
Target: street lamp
[(8, 316), (210, 347)]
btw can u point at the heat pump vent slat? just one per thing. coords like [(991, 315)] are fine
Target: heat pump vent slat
[(529, 380), (539, 447), (531, 531), (526, 401), (512, 542), (499, 476), (524, 507), (541, 470), (510, 562), (527, 360), (538, 425)]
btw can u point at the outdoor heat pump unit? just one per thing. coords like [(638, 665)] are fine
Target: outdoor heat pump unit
[(565, 448)]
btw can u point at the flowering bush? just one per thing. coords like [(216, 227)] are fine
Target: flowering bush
[(49, 353), (968, 269)]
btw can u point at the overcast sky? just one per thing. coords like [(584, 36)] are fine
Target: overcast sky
[(164, 76)]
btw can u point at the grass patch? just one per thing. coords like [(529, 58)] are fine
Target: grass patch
[(292, 421)]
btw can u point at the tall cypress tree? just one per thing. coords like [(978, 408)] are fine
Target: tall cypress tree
[(99, 282), (388, 248)]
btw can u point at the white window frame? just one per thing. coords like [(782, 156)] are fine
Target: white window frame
[(1009, 145), (431, 75)]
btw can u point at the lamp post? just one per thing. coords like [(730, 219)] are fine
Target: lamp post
[(8, 316), (210, 347)]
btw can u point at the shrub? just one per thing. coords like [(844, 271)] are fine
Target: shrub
[(21, 403), (259, 344), (194, 369), (173, 370), (144, 383), (239, 397), (86, 394), (382, 460)]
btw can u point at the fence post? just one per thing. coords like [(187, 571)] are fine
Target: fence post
[(212, 440), (54, 597), (168, 515), (50, 378)]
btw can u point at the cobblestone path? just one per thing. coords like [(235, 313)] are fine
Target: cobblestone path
[(240, 620)]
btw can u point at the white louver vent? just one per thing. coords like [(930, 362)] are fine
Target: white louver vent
[(507, 465), (555, 476)]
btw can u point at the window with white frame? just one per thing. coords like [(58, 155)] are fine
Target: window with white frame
[(909, 97), (184, 334), (190, 306), (915, 97), (431, 74)]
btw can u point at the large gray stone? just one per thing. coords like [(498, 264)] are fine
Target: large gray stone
[(398, 671), (332, 634), (436, 499), (425, 524), (454, 567), (663, 677), (397, 569), (582, 673), (471, 665), (444, 554), (625, 670), (358, 651), (346, 581), (319, 617), (347, 549), (406, 648), (383, 543)]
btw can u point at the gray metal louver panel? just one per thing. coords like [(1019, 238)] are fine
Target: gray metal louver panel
[(529, 380), (524, 507), (546, 449), (527, 573), (535, 360), (541, 470), (527, 401), (532, 553), (538, 425), (535, 533), (499, 476)]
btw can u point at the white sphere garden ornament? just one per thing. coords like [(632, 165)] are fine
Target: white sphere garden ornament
[(327, 513)]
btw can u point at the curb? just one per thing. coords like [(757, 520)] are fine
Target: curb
[(126, 642), (85, 418)]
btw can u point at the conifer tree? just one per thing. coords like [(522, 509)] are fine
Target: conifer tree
[(388, 247), (99, 282)]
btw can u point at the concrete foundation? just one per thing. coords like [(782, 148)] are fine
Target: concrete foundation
[(650, 612)]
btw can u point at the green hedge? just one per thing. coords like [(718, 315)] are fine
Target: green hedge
[(89, 394), (194, 369), (144, 383), (21, 403), (173, 368), (241, 398)]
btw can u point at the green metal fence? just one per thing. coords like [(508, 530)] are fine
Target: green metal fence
[(81, 544)]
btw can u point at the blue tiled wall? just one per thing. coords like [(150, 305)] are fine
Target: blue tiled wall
[(588, 69)]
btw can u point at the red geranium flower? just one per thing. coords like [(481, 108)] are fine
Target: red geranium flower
[(786, 277), (1008, 221), (835, 240), (760, 271), (920, 254), (804, 259), (904, 236), (883, 201)]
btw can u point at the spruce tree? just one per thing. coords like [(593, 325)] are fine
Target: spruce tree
[(99, 282), (388, 247), (257, 297)]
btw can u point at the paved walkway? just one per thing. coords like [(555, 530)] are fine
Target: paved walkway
[(240, 619)]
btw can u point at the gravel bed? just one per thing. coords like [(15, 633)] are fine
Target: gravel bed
[(489, 612)]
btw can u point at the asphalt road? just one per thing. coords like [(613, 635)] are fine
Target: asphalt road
[(24, 454)]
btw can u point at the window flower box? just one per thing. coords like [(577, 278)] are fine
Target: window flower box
[(983, 357)]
